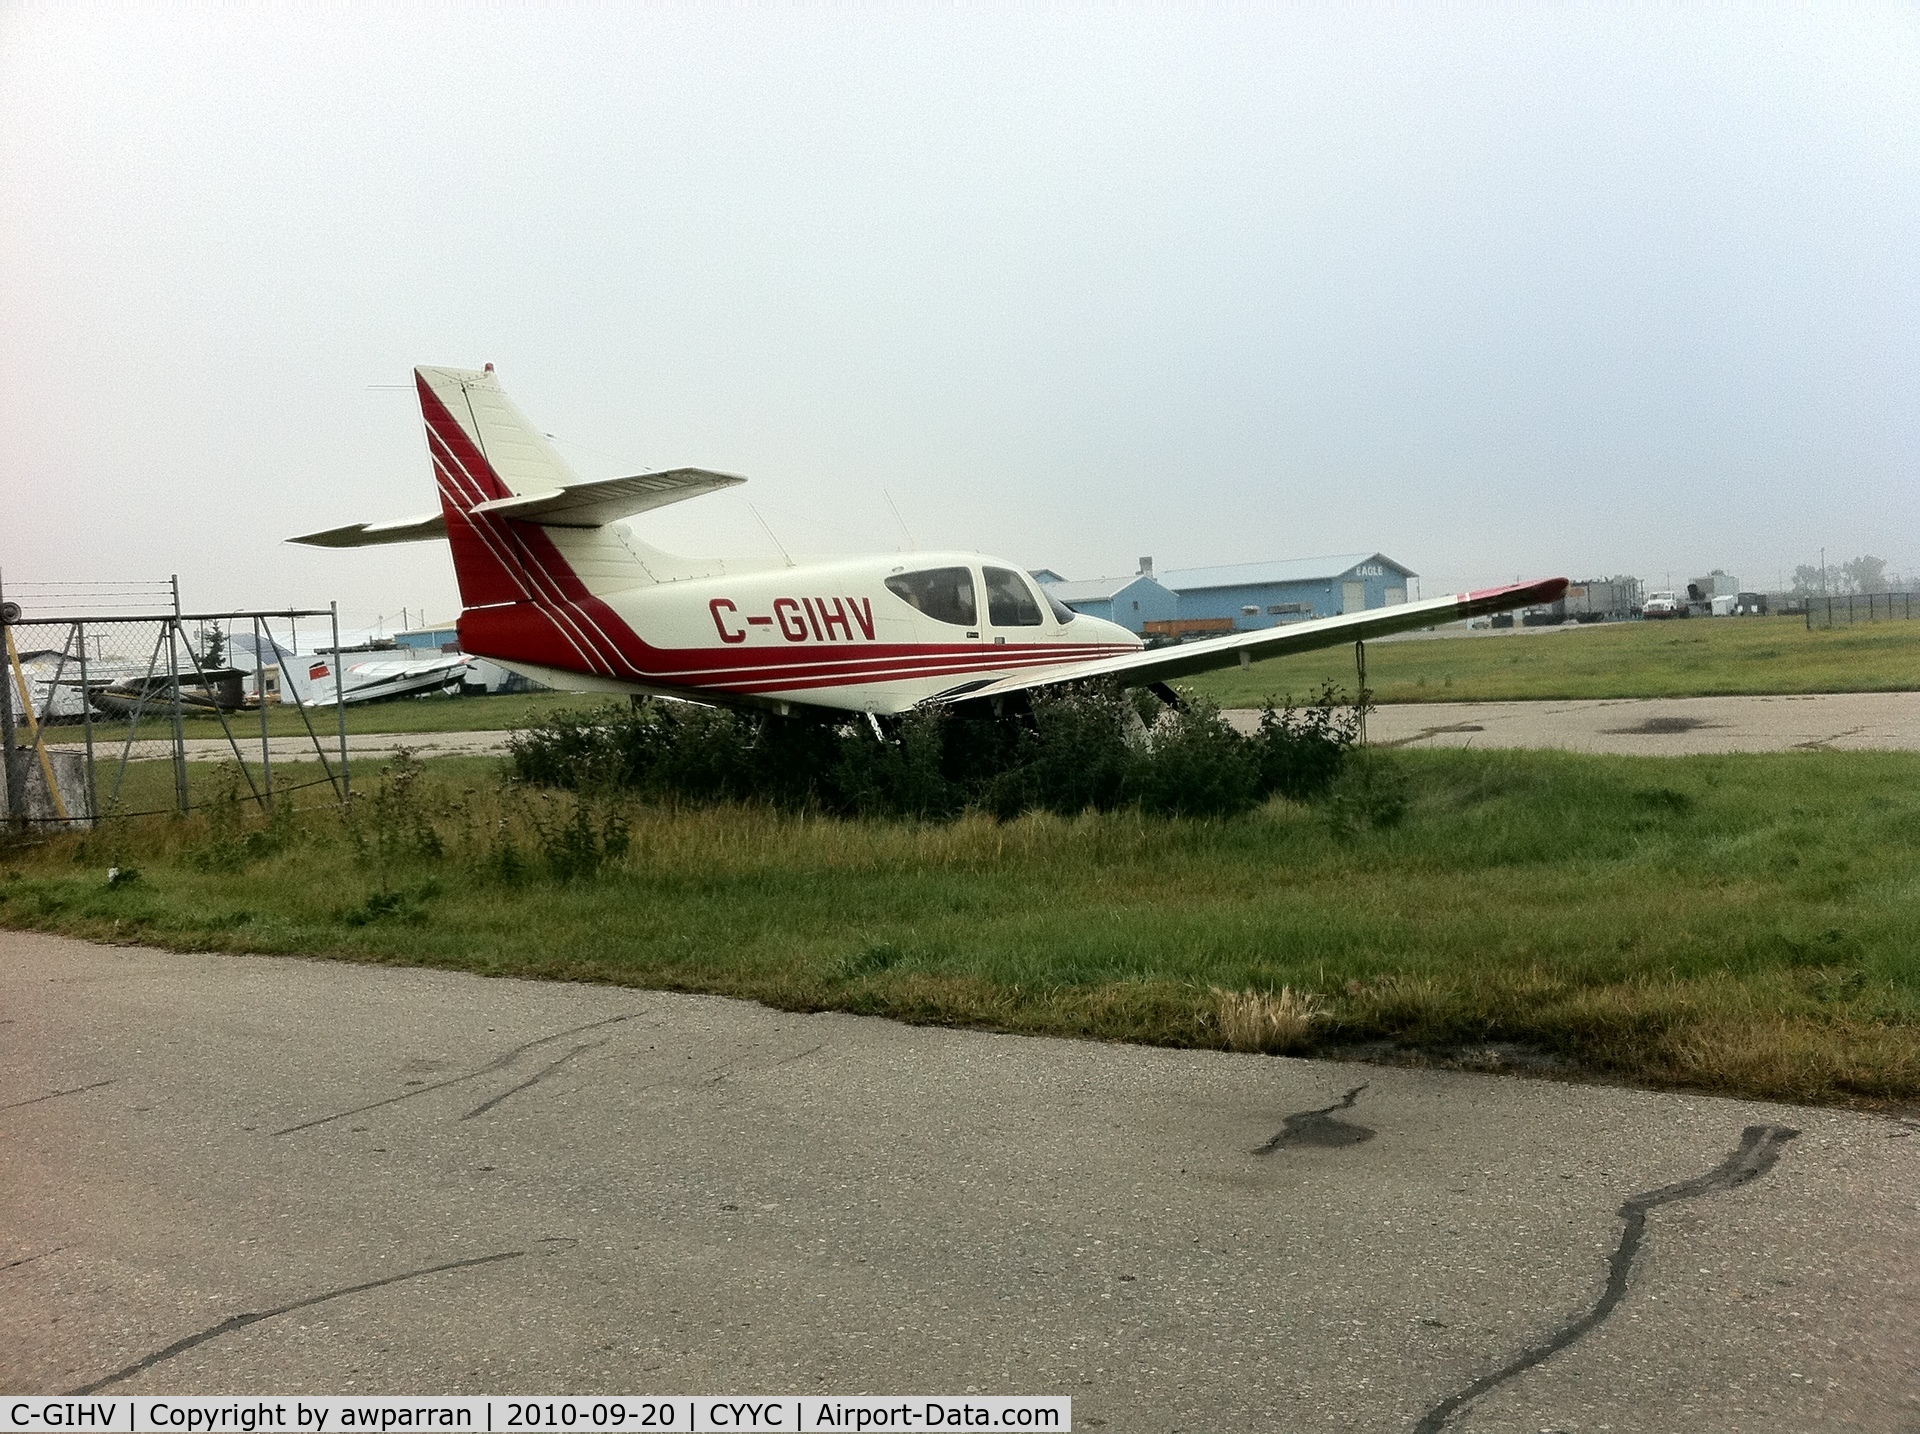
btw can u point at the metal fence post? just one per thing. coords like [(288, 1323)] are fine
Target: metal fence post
[(260, 699), (14, 768), (340, 704), (86, 720), (174, 636)]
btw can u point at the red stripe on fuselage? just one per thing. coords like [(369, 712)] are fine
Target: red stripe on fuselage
[(525, 603)]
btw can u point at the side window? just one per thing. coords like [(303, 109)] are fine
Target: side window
[(1009, 600), (944, 594)]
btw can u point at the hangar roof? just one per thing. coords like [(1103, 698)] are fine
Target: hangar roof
[(1287, 570), (1095, 589)]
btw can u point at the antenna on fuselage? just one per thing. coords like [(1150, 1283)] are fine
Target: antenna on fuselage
[(911, 545), (776, 542)]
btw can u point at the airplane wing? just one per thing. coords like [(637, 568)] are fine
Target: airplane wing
[(605, 500), (1140, 669), (577, 505), (361, 535)]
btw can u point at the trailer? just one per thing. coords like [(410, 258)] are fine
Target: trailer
[(1593, 600)]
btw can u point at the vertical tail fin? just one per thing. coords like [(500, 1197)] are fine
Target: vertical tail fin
[(301, 676), (484, 450)]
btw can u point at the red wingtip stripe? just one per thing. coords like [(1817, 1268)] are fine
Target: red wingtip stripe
[(1516, 594)]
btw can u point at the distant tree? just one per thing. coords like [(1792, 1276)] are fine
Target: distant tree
[(1808, 581), (1865, 574), (213, 647)]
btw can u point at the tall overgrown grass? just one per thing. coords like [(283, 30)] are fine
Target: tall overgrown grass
[(1742, 924)]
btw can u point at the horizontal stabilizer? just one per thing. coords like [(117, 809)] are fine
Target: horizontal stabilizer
[(606, 500), (363, 535)]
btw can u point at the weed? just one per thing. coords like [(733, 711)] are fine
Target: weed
[(387, 904), (232, 842), (592, 834), (393, 826), (1267, 1022), (1370, 793)]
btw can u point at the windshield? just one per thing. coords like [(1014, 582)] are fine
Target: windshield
[(943, 594), (1009, 600)]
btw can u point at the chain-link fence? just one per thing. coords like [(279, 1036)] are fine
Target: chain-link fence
[(97, 702), (1861, 607)]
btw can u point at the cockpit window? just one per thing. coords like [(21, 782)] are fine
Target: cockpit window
[(1009, 600), (1061, 612), (943, 594)]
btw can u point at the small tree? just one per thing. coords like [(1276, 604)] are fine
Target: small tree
[(1865, 574), (213, 646)]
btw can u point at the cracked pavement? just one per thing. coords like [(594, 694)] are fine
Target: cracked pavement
[(1648, 727), (1654, 726), (237, 1174)]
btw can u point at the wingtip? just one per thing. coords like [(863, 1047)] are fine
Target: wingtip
[(1539, 590)]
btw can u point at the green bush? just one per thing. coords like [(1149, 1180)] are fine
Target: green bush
[(1076, 749), (1302, 750)]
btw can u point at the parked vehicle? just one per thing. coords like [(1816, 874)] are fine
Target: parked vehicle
[(1663, 605)]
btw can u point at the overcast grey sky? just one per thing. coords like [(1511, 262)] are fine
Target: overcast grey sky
[(1496, 290)]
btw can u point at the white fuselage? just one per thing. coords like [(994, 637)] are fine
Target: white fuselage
[(871, 634)]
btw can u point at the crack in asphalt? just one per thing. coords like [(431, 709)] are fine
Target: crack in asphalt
[(716, 1074), (1758, 1150), (1318, 1127), (241, 1321), (1825, 744), (56, 1094), (29, 1259), (497, 1063), (1425, 732), (532, 1080)]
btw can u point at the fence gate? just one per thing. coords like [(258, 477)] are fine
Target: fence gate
[(104, 680)]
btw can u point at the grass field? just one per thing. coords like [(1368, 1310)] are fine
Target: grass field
[(1695, 658), (1698, 657), (1739, 923)]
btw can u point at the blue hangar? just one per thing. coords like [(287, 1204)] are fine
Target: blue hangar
[(1291, 590), (1235, 597)]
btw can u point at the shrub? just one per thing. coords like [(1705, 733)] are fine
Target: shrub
[(1301, 751), (902, 777), (1197, 766), (1075, 755), (1077, 748)]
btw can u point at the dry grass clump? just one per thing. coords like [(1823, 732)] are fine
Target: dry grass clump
[(1268, 1022)]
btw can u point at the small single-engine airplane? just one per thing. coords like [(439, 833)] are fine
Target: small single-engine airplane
[(312, 679), (554, 584)]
